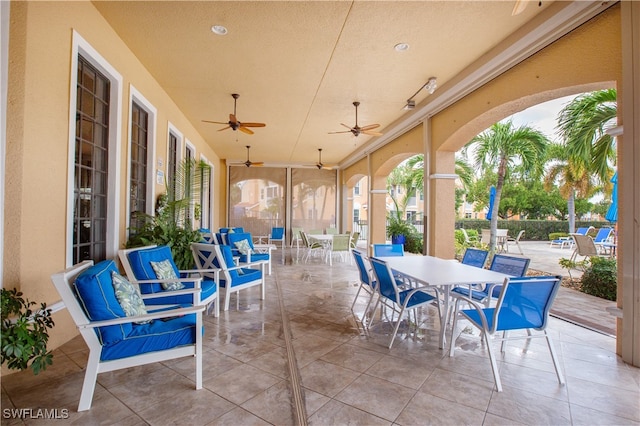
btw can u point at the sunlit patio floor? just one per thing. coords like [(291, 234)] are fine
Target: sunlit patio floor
[(301, 352)]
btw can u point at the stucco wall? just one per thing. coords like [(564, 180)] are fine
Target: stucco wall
[(38, 139)]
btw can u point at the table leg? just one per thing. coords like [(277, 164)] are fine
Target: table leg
[(444, 315)]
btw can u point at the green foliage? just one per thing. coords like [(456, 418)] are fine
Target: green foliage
[(413, 243), (24, 333), (600, 279), (397, 226), (163, 229), (557, 235)]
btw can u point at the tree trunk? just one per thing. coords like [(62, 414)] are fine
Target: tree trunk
[(571, 211)]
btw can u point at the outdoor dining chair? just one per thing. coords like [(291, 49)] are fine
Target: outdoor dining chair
[(399, 300), (312, 246), (340, 245), (121, 329), (510, 265), (585, 246), (381, 250), (367, 283), (475, 257), (523, 304), (515, 241)]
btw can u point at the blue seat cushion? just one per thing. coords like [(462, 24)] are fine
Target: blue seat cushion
[(207, 288), (247, 275), (155, 336), (255, 257), (94, 289), (476, 294)]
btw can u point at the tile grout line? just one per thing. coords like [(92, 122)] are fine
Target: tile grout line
[(300, 412)]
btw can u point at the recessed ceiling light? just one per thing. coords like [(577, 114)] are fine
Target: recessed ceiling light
[(401, 47), (219, 29)]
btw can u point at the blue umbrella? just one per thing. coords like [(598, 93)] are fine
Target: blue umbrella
[(492, 198), (612, 213)]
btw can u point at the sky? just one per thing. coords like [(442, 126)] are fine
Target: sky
[(542, 116)]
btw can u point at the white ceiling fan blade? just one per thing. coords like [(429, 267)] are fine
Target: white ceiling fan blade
[(519, 7)]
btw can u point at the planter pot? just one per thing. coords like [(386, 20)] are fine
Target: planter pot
[(398, 239)]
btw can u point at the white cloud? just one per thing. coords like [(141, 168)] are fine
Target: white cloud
[(542, 116)]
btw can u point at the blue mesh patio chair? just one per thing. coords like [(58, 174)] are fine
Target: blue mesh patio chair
[(152, 268), (232, 278), (381, 250), (396, 298), (523, 304), (120, 329), (367, 283), (510, 265), (475, 257)]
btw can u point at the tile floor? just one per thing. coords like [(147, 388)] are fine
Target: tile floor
[(300, 353)]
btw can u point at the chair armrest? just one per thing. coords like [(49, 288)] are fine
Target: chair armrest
[(196, 280), (477, 306), (193, 291), (156, 315), (247, 264)]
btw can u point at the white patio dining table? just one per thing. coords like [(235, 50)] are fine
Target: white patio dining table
[(443, 274)]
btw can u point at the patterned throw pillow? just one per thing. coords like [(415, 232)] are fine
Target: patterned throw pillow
[(164, 271), (128, 297), (243, 246)]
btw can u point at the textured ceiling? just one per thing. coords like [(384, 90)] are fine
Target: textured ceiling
[(298, 66)]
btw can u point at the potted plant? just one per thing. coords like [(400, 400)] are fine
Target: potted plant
[(398, 229), (24, 332)]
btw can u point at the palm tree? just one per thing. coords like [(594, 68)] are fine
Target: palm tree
[(582, 124), (462, 169), (572, 178), (501, 147)]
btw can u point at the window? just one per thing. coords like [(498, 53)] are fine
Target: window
[(91, 164), (356, 189), (206, 194), (356, 215), (139, 158), (172, 161)]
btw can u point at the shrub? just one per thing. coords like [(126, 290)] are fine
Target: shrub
[(600, 279), (24, 332), (413, 243), (557, 235)]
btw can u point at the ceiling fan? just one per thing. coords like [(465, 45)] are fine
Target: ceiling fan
[(319, 164), (520, 5), (357, 130), (250, 163), (233, 122)]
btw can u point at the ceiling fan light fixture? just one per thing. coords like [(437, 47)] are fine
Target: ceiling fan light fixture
[(219, 29)]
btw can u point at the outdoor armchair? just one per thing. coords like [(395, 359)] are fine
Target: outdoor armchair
[(232, 278), (121, 329), (523, 304), (515, 241), (242, 245), (152, 268), (277, 235)]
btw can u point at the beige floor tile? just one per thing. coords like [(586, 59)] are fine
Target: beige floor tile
[(425, 409), (337, 413), (326, 378), (241, 383), (376, 396)]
